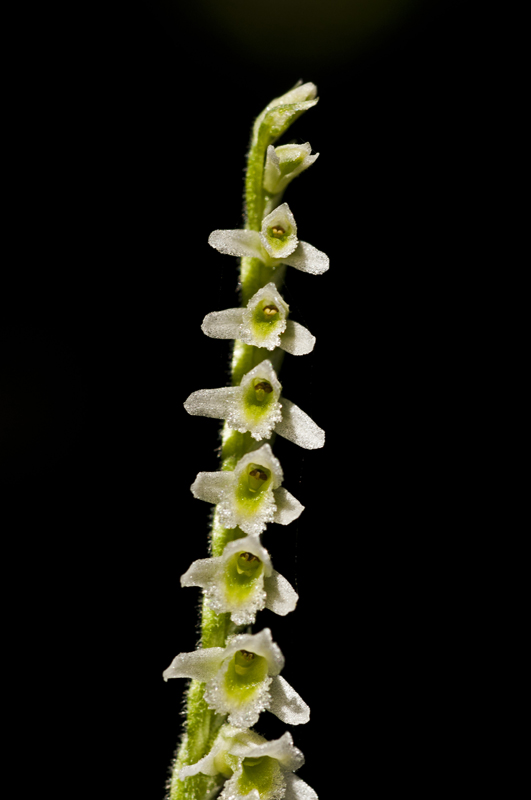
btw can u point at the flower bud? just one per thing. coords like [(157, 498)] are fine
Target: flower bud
[(284, 163)]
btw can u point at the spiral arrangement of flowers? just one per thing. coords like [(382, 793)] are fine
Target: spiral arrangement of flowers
[(235, 674)]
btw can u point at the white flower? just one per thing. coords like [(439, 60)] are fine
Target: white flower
[(242, 581), (263, 323), (256, 406), (257, 769), (284, 163), (242, 679), (251, 495), (277, 243)]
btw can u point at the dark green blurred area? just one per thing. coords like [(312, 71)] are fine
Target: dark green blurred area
[(305, 33)]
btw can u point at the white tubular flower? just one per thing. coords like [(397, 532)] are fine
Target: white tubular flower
[(251, 495), (263, 323), (242, 581), (284, 163), (256, 406), (277, 243), (257, 769), (242, 680)]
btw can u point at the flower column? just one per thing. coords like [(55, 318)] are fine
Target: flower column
[(235, 675)]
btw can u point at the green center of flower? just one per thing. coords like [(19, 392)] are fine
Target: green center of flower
[(277, 231), (253, 483), (242, 572), (258, 773), (242, 661), (261, 388), (247, 564), (256, 479), (269, 311), (257, 398), (266, 315), (244, 676)]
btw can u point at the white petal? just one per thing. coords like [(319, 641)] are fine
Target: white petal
[(286, 704), (216, 403), (260, 643), (210, 486), (281, 597), (223, 324), (288, 507), (202, 572), (297, 339), (271, 170), (299, 428), (282, 749), (205, 765), (201, 665), (308, 259), (297, 789), (236, 243)]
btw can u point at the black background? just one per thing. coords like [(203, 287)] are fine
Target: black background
[(127, 147)]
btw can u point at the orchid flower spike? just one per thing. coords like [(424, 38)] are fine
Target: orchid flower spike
[(263, 323), (277, 243), (256, 406), (251, 495), (242, 679), (257, 769), (242, 581)]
